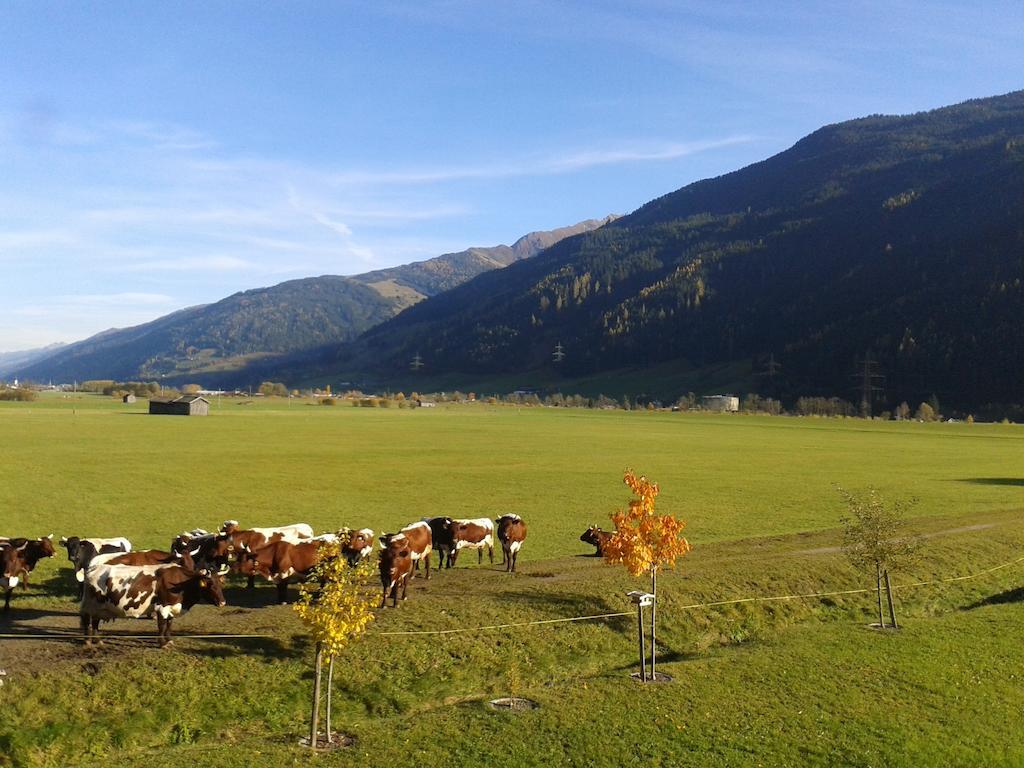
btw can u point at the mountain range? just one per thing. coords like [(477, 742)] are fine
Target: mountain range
[(891, 244), (216, 340), (881, 257)]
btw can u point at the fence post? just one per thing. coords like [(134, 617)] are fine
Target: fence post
[(654, 618), (317, 668), (640, 634)]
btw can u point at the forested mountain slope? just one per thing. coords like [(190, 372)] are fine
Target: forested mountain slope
[(901, 238)]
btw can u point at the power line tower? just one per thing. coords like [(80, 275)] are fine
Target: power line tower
[(417, 362), (559, 354), (869, 382), (771, 368)]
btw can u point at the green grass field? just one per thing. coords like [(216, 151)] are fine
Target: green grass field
[(800, 682)]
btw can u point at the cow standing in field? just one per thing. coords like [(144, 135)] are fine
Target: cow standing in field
[(232, 541), (511, 534), (129, 591), (420, 543), (396, 566), (475, 534), (18, 557), (82, 551), (281, 563), (443, 540), (597, 538)]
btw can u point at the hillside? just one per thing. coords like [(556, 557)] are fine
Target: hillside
[(217, 339), (897, 237)]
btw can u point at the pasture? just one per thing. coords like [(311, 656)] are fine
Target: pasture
[(798, 682)]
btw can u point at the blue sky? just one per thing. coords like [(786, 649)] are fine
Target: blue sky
[(159, 155)]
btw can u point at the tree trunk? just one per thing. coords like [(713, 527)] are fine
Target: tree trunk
[(317, 668), (878, 594), (330, 680), (654, 618), (888, 594)]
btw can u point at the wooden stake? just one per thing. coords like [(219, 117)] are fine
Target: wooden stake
[(878, 594), (654, 617), (640, 635), (888, 594), (317, 668), (330, 679)]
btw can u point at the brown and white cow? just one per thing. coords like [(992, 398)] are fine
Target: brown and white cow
[(443, 540), (475, 534), (511, 534), (396, 564), (420, 543), (82, 551), (280, 562), (18, 557), (597, 538), (359, 545), (130, 591), (232, 541)]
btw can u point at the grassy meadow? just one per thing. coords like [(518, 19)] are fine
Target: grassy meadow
[(798, 682)]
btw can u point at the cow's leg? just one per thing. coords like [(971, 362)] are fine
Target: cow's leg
[(515, 556), (83, 622), (426, 565), (480, 556), (282, 593), (384, 597), (96, 630), (161, 630), (165, 634), (405, 586), (7, 600), (251, 584)]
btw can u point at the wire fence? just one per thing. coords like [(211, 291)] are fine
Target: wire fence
[(69, 634)]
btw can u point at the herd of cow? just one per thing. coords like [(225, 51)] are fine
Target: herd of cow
[(116, 582)]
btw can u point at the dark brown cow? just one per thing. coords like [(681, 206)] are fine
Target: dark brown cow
[(396, 565), (511, 534), (597, 538), (281, 563), (475, 534), (166, 591), (442, 540), (18, 557)]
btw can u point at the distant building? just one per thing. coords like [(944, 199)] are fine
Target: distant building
[(721, 403), (186, 405), (129, 398)]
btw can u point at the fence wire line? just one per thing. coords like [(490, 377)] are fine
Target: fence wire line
[(460, 630)]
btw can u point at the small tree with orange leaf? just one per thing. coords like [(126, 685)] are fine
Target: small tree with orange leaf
[(644, 541)]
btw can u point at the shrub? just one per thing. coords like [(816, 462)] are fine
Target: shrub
[(328, 401), (20, 394)]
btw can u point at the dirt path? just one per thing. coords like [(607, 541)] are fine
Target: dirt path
[(933, 535)]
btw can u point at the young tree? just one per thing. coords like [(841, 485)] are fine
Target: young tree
[(644, 541), (336, 604), (874, 539)]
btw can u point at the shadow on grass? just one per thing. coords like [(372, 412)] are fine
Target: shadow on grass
[(1011, 481), (1003, 598)]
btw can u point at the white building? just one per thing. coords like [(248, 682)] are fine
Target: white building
[(721, 403)]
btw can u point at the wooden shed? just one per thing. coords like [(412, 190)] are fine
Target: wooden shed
[(129, 398), (186, 405)]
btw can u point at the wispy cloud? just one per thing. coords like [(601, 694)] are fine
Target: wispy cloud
[(570, 161)]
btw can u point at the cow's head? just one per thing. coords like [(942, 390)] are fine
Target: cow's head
[(229, 526), (45, 546), (592, 536), (72, 544), (209, 586)]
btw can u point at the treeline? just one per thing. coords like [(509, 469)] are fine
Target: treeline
[(21, 394)]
